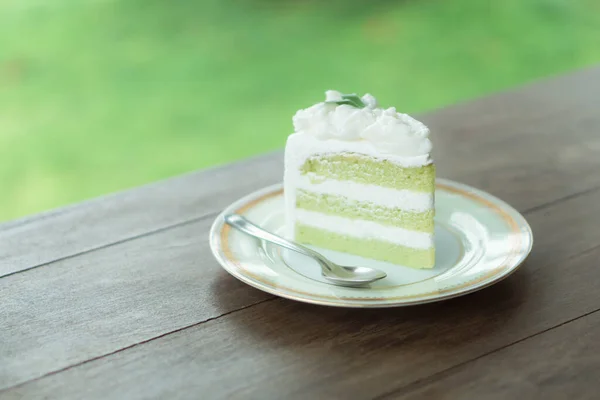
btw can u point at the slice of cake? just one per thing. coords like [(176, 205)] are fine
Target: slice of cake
[(360, 179)]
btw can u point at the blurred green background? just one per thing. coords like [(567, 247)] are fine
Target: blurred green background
[(101, 95)]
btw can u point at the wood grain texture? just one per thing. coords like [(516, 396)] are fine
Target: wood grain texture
[(282, 349), (88, 306), (286, 349), (563, 363), (545, 132), (93, 224)]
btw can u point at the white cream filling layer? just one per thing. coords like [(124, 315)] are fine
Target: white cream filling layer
[(392, 198), (364, 229), (300, 146)]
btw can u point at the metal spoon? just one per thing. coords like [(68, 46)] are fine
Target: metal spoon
[(334, 273)]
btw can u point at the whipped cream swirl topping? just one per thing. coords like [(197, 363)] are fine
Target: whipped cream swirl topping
[(388, 130)]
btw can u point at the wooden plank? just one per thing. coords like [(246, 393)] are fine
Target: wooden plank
[(121, 216), (279, 348), (87, 306), (559, 364), (282, 349), (530, 146), (547, 131)]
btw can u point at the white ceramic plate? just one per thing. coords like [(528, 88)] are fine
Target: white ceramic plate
[(479, 241)]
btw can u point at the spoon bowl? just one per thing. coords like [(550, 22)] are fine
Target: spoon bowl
[(356, 276)]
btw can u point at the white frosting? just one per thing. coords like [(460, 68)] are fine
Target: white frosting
[(387, 131), (365, 229), (301, 146), (392, 198)]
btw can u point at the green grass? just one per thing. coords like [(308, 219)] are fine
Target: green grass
[(97, 96)]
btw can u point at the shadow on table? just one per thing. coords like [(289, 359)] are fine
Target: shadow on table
[(478, 319)]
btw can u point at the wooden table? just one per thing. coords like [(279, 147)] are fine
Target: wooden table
[(120, 297)]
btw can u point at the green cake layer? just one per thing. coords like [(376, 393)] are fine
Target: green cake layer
[(375, 249), (368, 170), (344, 207)]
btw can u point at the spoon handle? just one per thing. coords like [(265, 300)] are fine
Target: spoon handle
[(242, 224)]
